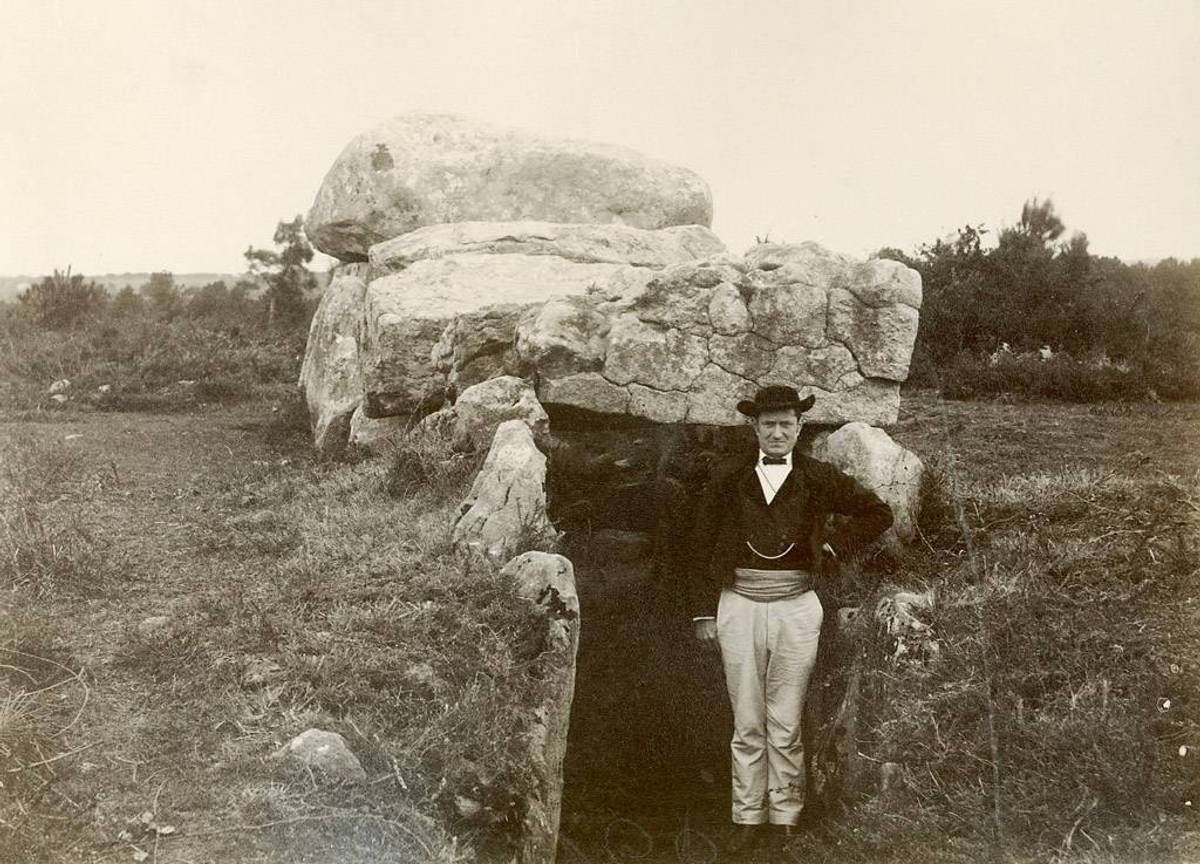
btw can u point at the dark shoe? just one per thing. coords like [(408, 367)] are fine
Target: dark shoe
[(745, 838)]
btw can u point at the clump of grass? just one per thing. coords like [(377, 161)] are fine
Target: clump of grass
[(535, 534), (46, 543), (288, 426), (160, 655), (22, 721), (41, 702), (258, 532), (935, 513), (423, 462)]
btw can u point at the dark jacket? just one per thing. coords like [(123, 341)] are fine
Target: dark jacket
[(733, 510)]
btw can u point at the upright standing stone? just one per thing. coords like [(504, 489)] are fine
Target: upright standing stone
[(870, 456), (330, 375), (507, 503), (548, 581)]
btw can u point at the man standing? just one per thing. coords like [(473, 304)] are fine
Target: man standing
[(756, 552)]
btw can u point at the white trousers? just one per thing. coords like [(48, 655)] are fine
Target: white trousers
[(768, 650)]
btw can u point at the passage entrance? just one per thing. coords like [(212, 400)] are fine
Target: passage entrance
[(647, 766)]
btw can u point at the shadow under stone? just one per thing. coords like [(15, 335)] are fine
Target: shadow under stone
[(647, 765)]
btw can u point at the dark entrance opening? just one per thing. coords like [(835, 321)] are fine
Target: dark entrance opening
[(646, 775)]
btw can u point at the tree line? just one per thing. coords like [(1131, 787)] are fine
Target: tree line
[(277, 292), (1035, 313), (1037, 310)]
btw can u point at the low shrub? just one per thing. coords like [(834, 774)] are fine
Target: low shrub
[(135, 362), (1062, 377)]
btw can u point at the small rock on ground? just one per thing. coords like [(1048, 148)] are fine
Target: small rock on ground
[(328, 752)]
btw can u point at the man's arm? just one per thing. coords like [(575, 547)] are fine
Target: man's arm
[(871, 515), (703, 591)]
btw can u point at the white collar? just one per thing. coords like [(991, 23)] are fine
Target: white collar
[(787, 463)]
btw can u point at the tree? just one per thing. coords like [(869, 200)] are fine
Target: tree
[(284, 272), (162, 297), (209, 301), (1040, 222), (1038, 287), (61, 300), (127, 301), (952, 282)]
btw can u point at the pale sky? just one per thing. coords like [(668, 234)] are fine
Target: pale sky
[(171, 135)]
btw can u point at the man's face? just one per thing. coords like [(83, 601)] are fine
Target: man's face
[(777, 431)]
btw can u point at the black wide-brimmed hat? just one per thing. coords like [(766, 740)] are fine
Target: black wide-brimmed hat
[(775, 398)]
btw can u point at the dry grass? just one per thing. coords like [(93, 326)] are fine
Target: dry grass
[(299, 594), (295, 595), (1071, 623), (46, 544)]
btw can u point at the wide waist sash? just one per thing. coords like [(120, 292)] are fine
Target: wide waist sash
[(767, 585)]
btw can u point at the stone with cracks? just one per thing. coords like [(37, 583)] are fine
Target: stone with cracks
[(507, 502), (548, 581), (679, 344), (481, 408), (330, 375), (423, 169), (688, 342), (674, 345), (870, 456), (562, 336), (445, 313)]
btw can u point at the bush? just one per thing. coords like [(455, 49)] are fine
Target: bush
[(61, 300), (145, 364), (1061, 376)]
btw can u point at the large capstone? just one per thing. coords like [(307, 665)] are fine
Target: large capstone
[(684, 345), (423, 169)]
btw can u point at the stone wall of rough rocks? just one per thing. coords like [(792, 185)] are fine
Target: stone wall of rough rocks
[(474, 252)]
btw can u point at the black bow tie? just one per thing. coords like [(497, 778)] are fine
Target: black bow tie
[(774, 460)]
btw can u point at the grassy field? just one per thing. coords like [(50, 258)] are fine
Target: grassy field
[(297, 594), (184, 593)]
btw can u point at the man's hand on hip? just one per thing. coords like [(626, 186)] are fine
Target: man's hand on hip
[(706, 633)]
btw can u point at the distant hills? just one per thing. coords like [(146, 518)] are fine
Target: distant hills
[(11, 286)]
